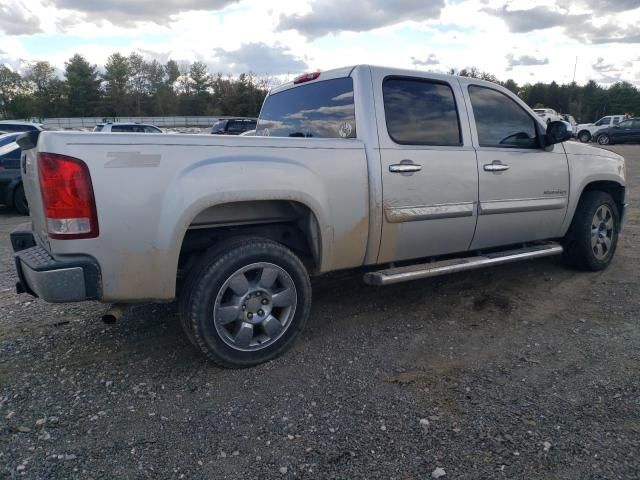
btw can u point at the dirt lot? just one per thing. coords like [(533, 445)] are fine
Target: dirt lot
[(529, 371)]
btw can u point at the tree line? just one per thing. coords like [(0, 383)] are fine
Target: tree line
[(132, 86), (128, 86)]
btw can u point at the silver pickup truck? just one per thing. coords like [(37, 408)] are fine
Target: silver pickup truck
[(407, 174)]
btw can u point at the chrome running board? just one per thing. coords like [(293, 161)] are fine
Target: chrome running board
[(443, 267)]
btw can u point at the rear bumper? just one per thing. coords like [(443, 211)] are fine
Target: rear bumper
[(55, 281)]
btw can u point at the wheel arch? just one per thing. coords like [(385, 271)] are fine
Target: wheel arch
[(289, 222), (612, 187)]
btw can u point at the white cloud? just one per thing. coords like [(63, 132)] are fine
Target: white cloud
[(334, 16), (17, 19), (528, 40), (129, 12)]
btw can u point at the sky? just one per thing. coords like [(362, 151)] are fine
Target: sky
[(528, 41)]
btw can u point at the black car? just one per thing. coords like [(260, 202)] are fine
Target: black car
[(627, 131), (11, 189), (11, 126), (233, 126)]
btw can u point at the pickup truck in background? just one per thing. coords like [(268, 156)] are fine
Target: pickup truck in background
[(587, 131), (408, 174)]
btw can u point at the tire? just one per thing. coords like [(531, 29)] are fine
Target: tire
[(604, 139), (584, 136), (20, 200), (592, 239), (246, 302)]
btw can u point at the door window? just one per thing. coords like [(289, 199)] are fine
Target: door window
[(625, 124), (121, 128), (421, 112), (603, 121), (500, 121)]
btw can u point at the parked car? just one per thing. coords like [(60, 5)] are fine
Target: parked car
[(627, 131), (421, 167), (233, 126), (572, 121), (126, 127), (11, 188), (10, 126), (586, 131), (548, 114)]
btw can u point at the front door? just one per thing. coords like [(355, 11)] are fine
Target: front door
[(429, 173), (624, 132), (523, 188)]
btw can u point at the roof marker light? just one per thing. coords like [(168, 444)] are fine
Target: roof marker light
[(306, 77)]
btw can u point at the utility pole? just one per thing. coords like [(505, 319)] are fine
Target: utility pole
[(575, 67)]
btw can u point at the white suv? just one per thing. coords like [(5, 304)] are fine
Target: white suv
[(126, 127), (586, 131), (548, 115)]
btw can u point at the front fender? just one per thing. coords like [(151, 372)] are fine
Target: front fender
[(588, 165)]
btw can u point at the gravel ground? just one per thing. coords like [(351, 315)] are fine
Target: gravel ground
[(527, 371)]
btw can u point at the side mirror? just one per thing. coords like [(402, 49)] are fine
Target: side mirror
[(558, 132)]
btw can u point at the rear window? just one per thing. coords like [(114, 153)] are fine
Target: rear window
[(317, 110)]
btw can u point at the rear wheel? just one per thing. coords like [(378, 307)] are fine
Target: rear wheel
[(584, 136), (246, 302), (593, 236), (20, 201)]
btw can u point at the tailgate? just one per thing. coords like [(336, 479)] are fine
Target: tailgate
[(31, 182)]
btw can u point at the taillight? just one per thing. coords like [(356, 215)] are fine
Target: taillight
[(306, 77), (67, 197)]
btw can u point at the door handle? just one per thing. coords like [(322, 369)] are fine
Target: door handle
[(496, 166), (405, 168)]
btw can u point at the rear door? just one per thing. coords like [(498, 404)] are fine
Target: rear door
[(429, 172), (523, 188)]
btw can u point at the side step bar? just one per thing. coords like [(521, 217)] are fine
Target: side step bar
[(443, 267)]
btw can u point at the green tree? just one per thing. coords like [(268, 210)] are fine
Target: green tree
[(116, 77), (138, 81), (10, 86), (48, 91), (83, 87)]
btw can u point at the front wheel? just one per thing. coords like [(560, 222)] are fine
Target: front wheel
[(246, 302), (604, 139), (584, 136), (593, 236)]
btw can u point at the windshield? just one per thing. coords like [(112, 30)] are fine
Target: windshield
[(319, 110)]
